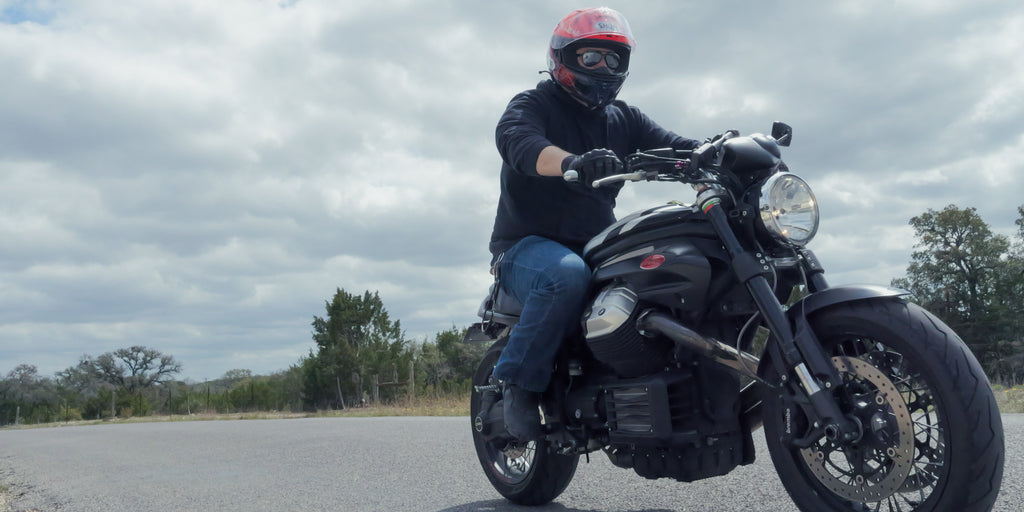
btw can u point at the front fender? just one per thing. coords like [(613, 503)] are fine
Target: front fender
[(846, 293)]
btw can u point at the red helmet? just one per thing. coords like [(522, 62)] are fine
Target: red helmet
[(597, 27)]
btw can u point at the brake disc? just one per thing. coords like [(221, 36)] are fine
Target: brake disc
[(864, 473)]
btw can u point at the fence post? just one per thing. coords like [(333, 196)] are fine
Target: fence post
[(340, 397), (412, 384), (376, 389)]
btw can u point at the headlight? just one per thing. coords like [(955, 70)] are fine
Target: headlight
[(788, 209)]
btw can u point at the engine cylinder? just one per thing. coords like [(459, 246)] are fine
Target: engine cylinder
[(610, 329)]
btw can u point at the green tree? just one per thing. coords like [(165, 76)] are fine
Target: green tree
[(356, 340), (956, 273), (27, 397), (431, 369), (446, 365), (1009, 308), (128, 377), (137, 367), (81, 385)]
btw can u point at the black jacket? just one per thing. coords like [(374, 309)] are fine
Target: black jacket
[(568, 213)]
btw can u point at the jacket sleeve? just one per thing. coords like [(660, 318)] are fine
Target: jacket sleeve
[(520, 135), (650, 135)]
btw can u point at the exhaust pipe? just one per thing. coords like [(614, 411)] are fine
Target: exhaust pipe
[(741, 362)]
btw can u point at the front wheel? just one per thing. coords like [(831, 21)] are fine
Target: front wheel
[(932, 437), (527, 475)]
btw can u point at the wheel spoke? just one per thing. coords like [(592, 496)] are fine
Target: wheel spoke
[(896, 465)]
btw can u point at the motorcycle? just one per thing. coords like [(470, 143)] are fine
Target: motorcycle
[(710, 320)]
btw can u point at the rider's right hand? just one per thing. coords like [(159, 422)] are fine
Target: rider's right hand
[(593, 165)]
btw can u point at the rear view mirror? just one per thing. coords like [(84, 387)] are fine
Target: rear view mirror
[(782, 133)]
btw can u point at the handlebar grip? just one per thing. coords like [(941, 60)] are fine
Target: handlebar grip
[(571, 176)]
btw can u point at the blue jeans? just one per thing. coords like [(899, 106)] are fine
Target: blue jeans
[(551, 282)]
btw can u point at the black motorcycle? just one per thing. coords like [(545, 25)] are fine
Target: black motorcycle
[(710, 320)]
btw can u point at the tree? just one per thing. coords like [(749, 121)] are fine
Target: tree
[(125, 375), (956, 273), (83, 386), (447, 364), (355, 341), (27, 397), (1009, 308), (138, 367), (237, 375)]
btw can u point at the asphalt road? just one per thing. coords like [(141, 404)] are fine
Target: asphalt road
[(348, 464)]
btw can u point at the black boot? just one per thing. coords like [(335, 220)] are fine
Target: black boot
[(522, 415)]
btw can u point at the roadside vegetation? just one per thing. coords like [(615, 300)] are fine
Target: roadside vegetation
[(361, 364), (1010, 400)]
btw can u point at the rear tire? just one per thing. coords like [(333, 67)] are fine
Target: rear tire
[(947, 456), (536, 477)]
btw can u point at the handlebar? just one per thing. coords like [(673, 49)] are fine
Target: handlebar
[(669, 164), (645, 166)]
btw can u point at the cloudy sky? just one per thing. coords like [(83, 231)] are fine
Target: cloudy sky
[(199, 177)]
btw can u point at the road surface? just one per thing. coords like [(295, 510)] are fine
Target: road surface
[(347, 464)]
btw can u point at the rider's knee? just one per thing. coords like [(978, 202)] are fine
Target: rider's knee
[(569, 278)]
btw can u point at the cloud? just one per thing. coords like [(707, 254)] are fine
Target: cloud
[(200, 177)]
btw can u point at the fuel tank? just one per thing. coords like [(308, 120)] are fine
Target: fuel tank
[(666, 258), (666, 255)]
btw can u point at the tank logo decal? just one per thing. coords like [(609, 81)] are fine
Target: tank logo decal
[(652, 262), (628, 255)]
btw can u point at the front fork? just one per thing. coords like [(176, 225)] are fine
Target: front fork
[(796, 355)]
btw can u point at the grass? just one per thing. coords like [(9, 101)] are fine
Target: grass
[(444, 406), (1010, 400)]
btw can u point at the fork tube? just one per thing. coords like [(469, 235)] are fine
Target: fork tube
[(758, 286), (830, 420)]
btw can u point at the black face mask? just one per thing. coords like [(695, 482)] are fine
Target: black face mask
[(592, 92)]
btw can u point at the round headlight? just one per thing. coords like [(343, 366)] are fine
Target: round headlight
[(788, 209)]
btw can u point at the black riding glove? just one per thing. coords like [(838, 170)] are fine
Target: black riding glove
[(593, 165)]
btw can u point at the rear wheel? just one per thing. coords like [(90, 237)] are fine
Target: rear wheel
[(525, 475), (932, 438)]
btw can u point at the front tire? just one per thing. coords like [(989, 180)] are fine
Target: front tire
[(535, 477), (897, 360)]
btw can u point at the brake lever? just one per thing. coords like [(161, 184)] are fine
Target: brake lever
[(632, 176)]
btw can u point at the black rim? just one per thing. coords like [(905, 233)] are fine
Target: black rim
[(513, 468), (511, 465)]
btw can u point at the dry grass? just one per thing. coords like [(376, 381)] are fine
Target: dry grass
[(443, 406), (1010, 400)]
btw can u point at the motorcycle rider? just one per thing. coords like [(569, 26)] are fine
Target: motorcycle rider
[(571, 121)]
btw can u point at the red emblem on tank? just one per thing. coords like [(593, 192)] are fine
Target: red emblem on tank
[(652, 262)]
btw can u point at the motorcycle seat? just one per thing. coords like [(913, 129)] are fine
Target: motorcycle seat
[(500, 307)]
